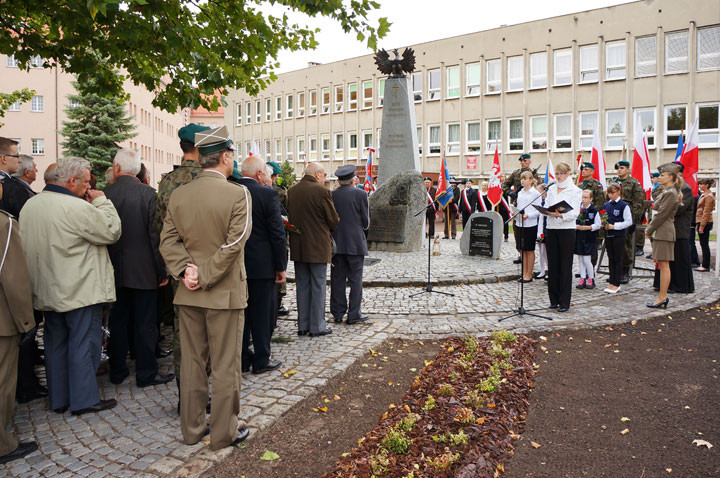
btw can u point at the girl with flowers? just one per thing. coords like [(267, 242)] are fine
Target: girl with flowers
[(588, 224)]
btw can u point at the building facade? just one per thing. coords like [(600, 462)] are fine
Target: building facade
[(542, 87), (36, 125)]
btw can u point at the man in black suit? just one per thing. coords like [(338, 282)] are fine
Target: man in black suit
[(351, 247), (265, 264), (468, 201), (139, 272), (432, 206)]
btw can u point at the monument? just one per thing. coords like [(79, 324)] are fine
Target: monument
[(394, 225), (483, 235)]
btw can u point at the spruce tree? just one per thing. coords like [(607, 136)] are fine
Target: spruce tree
[(97, 124)]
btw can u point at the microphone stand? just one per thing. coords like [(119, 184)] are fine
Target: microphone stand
[(428, 289), (521, 310)]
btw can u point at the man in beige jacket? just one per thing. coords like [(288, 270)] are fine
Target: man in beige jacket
[(203, 239)]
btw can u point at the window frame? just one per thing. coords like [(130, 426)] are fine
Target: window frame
[(278, 108), (639, 62), (452, 148), (268, 109), (434, 94), (509, 80), (367, 144), (300, 105), (531, 137), (11, 62), (37, 146), (436, 146), (36, 61), (289, 106), (491, 144), (557, 137), (582, 71), (352, 104), (339, 153), (289, 148), (278, 149), (258, 111), (419, 133), (238, 114), (562, 52), (313, 102), (611, 136), (672, 132), (15, 106), (267, 145), (367, 96), (325, 100), (648, 134), (511, 141), (582, 136), (609, 69), (715, 131), (301, 143), (248, 112), (478, 143), (312, 147), (37, 104), (533, 75), (469, 85), (381, 92), (352, 152), (417, 94), (496, 84), (452, 85), (668, 37), (712, 54), (325, 152)]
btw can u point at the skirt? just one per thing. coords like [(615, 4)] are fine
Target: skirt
[(585, 243), (529, 236), (663, 250)]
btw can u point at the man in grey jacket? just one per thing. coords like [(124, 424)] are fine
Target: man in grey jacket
[(351, 247)]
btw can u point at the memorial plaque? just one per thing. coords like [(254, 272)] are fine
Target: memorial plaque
[(481, 236), (387, 224)]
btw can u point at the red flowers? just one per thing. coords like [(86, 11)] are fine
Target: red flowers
[(603, 211)]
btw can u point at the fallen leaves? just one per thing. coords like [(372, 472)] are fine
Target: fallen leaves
[(535, 445), (269, 456), (289, 373), (624, 419), (704, 443), (625, 432)]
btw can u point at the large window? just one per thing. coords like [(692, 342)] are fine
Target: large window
[(538, 70), (417, 86), (367, 140), (563, 67), (646, 56), (493, 137), (615, 60), (538, 133), (38, 146), (563, 132), (301, 104), (708, 48), (312, 152), (419, 139), (453, 82), (434, 81), (452, 145), (37, 104), (675, 123), (515, 73), (367, 94), (325, 143), (515, 134), (494, 78), (278, 108), (289, 107), (325, 96), (708, 123), (472, 79), (381, 92), (278, 149), (646, 118), (289, 148), (588, 124), (258, 111), (473, 138), (339, 98), (352, 145), (248, 113), (238, 114), (11, 62), (615, 128), (268, 152), (434, 141), (352, 97), (676, 52), (313, 103), (339, 146), (302, 156), (588, 64), (268, 109)]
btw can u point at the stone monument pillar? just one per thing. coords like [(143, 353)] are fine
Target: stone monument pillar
[(398, 142), (394, 225)]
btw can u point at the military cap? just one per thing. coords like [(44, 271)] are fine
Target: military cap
[(345, 172), (236, 173), (275, 167), (187, 133), (587, 165), (670, 168), (524, 156), (213, 140), (622, 163), (427, 178), (655, 174)]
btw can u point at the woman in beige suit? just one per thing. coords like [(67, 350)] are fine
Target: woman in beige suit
[(663, 227), (704, 220)]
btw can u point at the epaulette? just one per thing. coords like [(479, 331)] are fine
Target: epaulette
[(8, 214)]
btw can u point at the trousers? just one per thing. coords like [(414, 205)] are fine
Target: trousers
[(704, 239), (346, 269), (310, 290), (560, 244), (615, 247), (8, 381), (259, 321)]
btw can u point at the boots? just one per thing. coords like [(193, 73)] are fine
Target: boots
[(589, 284), (581, 284)]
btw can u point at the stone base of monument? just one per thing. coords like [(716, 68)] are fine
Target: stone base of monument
[(393, 224), (482, 235)]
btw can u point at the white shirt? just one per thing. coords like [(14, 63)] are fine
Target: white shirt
[(571, 195), (524, 198)]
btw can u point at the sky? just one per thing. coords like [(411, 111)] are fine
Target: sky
[(417, 21)]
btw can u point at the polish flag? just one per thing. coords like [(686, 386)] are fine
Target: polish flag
[(368, 171), (549, 171), (494, 193), (641, 160), (597, 158), (689, 158)]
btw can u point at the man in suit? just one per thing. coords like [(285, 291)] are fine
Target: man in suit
[(468, 201), (139, 271), (16, 318), (25, 175), (431, 208), (352, 207), (313, 213), (202, 242), (265, 264)]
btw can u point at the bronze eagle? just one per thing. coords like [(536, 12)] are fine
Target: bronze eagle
[(397, 67)]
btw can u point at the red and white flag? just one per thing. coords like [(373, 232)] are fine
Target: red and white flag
[(368, 172), (494, 193), (254, 148), (597, 158), (641, 160), (689, 158)]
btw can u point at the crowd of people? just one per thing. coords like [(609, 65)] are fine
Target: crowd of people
[(215, 235)]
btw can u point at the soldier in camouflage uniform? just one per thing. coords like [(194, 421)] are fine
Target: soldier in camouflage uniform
[(631, 192), (511, 186), (188, 170), (587, 182), (282, 194)]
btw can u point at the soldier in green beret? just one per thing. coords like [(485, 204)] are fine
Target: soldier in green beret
[(631, 192), (282, 194), (591, 184)]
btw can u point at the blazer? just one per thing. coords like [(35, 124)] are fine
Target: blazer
[(313, 213), (353, 209), (663, 221), (15, 194), (431, 192), (684, 215), (265, 249), (207, 224), (136, 255), (471, 195), (705, 207), (16, 309)]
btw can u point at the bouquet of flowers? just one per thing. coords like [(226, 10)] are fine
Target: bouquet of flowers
[(541, 239), (604, 218), (289, 227)]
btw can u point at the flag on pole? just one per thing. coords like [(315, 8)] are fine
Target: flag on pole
[(641, 160), (689, 158), (494, 193), (254, 148), (597, 158), (368, 172), (680, 148), (550, 171), (444, 189)]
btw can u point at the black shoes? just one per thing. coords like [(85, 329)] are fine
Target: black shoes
[(357, 320), (118, 380), (338, 321), (327, 331), (554, 306), (160, 353), (271, 365), (282, 310), (98, 407), (23, 449), (563, 309), (624, 279), (243, 433), (517, 261), (159, 379), (659, 305), (303, 332), (39, 392)]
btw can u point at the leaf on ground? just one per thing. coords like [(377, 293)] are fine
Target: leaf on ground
[(336, 397), (323, 409), (413, 369), (543, 339), (289, 373), (399, 351), (624, 419), (588, 341), (373, 353), (634, 322), (704, 443), (535, 445), (269, 456), (669, 470), (625, 432)]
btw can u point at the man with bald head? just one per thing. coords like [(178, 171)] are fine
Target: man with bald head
[(312, 211), (265, 264), (50, 175)]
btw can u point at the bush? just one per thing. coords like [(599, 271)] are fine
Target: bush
[(396, 441)]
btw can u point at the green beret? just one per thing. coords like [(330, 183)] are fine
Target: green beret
[(213, 140), (236, 173), (587, 165), (187, 133), (524, 156), (622, 163), (275, 167), (656, 174)]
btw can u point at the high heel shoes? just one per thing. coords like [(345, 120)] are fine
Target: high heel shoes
[(659, 305)]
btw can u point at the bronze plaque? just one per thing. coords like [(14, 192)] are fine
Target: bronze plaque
[(387, 224)]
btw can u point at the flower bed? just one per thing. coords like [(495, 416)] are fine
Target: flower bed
[(459, 418)]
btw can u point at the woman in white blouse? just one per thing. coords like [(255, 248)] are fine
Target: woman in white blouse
[(527, 222), (560, 237)]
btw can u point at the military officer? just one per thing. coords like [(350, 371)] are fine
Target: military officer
[(591, 184), (631, 192), (203, 243), (353, 209), (282, 194)]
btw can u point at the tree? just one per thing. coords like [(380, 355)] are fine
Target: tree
[(287, 175), (183, 50), (8, 99), (97, 124)]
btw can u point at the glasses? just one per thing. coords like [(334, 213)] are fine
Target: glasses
[(12, 155)]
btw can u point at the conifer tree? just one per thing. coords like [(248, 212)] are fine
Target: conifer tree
[(96, 126)]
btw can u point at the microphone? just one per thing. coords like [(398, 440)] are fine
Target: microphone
[(550, 184)]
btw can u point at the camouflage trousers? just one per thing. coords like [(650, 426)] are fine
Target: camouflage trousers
[(628, 252)]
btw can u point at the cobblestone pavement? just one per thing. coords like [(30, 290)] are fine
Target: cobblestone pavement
[(141, 436)]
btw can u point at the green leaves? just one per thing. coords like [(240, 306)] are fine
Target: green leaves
[(8, 99), (269, 456)]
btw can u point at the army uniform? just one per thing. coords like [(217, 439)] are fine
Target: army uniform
[(631, 192), (595, 186)]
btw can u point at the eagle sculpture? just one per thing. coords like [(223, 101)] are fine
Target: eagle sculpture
[(397, 67)]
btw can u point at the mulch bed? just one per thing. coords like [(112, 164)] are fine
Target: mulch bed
[(459, 418)]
